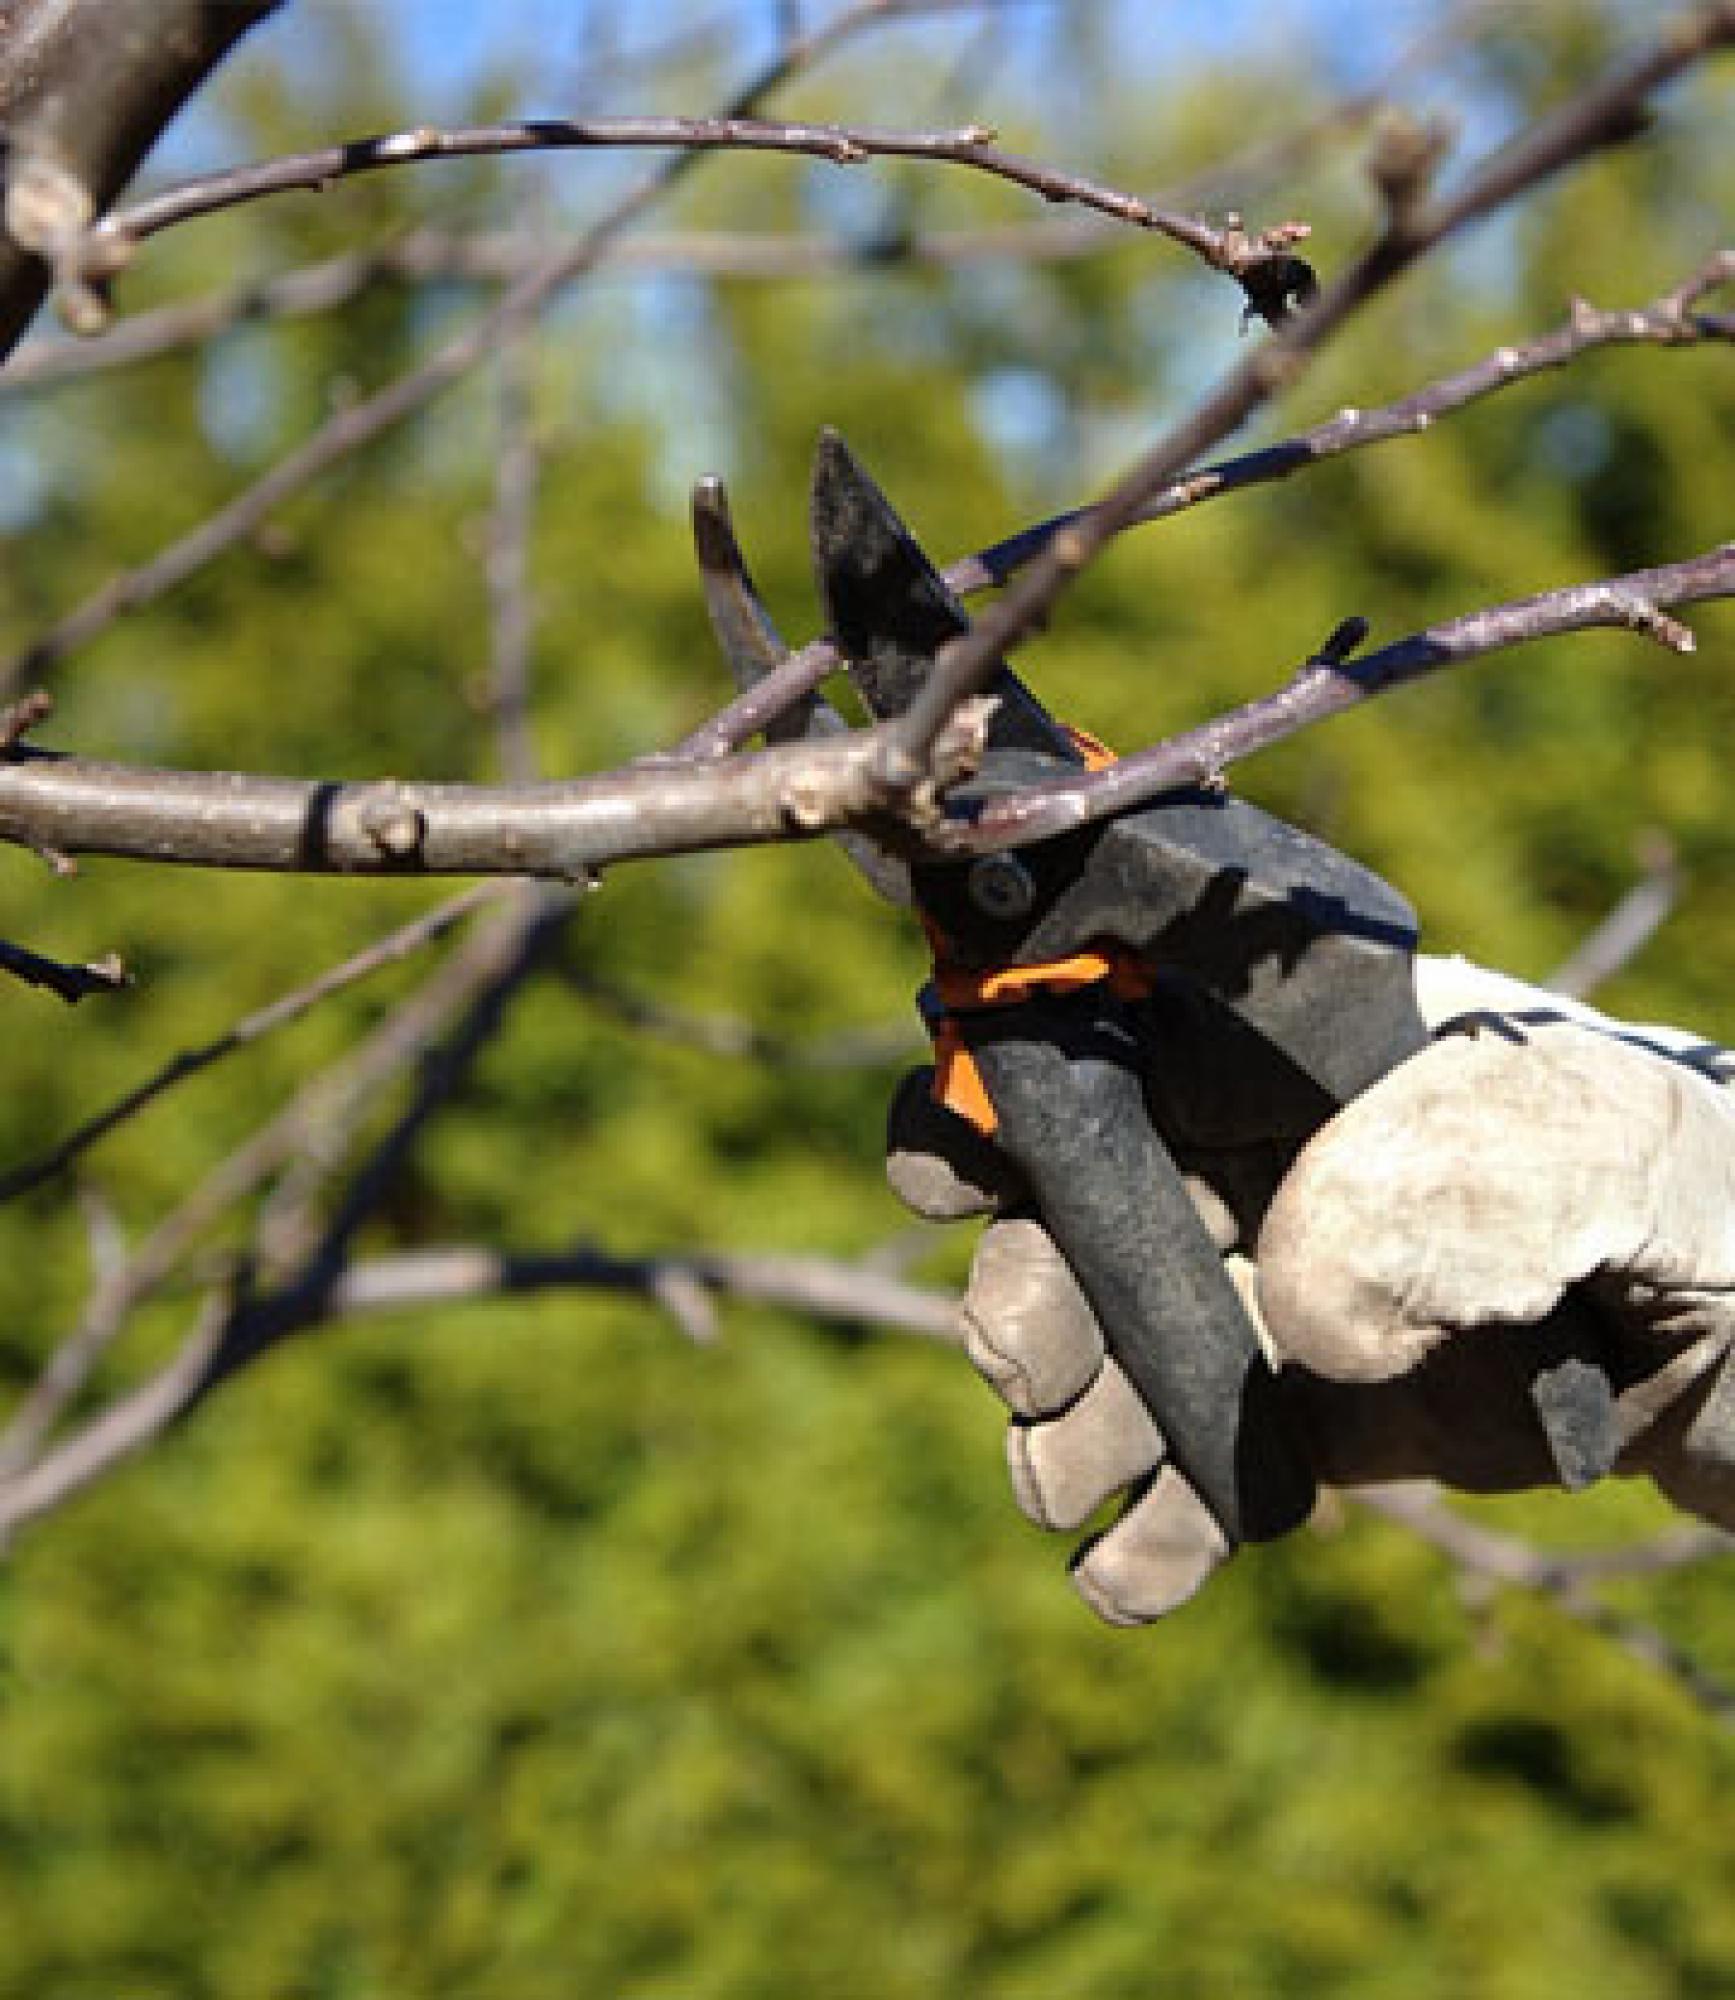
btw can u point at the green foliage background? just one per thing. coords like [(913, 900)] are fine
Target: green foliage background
[(523, 1649)]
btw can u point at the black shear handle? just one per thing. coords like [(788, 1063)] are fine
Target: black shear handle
[(1064, 1077)]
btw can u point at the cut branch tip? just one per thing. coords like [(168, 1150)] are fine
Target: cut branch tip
[(19, 718), (1341, 642)]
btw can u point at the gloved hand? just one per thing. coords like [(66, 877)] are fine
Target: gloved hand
[(1402, 1278)]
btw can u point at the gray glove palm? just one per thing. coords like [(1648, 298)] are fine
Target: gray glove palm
[(1401, 1275)]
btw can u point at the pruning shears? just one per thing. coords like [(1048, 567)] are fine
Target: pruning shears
[(1190, 978)]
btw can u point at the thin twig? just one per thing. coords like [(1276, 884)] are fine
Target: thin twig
[(826, 1288), (1668, 322), (231, 1334), (1328, 683), (969, 146), (352, 429), (1568, 1581), (1607, 112), (1627, 928), (678, 805), (71, 983), (386, 951), (215, 1347), (870, 1048), (511, 599), (332, 1100), (433, 255)]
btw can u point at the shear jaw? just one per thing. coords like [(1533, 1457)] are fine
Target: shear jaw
[(891, 611)]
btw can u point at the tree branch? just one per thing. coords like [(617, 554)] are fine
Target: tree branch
[(552, 829), (227, 1335), (389, 950), (676, 805), (1628, 927), (359, 425), (822, 1287), (335, 1099), (72, 983), (1667, 321), (1568, 1581), (972, 147), (85, 88), (1331, 682), (511, 594), (1609, 111), (432, 255)]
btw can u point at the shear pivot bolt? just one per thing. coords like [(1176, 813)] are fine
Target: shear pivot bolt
[(1000, 886)]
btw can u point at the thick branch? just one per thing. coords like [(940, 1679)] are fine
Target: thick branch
[(85, 88), (225, 819), (68, 805)]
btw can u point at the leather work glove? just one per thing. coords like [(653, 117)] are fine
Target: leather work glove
[(1401, 1278)]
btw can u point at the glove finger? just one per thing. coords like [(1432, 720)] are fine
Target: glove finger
[(1064, 1468), (1027, 1327), (938, 1164), (1162, 1549)]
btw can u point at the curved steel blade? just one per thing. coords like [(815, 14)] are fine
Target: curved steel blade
[(752, 646), (890, 610)]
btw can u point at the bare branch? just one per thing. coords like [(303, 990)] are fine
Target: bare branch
[(333, 1100), (511, 599), (824, 1288), (675, 805), (1628, 927), (1327, 684), (256, 1322), (19, 718), (552, 829), (71, 983), (1668, 321), (228, 1334), (970, 146), (880, 1047), (386, 951), (433, 256), (85, 88), (1568, 1582), (1607, 112), (358, 426)]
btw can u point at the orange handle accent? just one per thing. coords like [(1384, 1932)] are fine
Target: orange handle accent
[(958, 1083)]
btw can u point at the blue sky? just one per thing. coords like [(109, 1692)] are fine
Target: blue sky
[(444, 44)]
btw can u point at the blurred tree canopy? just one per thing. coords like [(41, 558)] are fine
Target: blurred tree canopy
[(521, 1647)]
